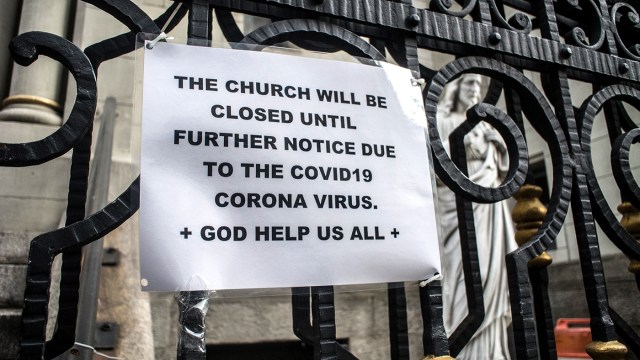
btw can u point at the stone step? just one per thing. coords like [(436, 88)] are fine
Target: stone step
[(9, 335), (14, 246), (12, 283)]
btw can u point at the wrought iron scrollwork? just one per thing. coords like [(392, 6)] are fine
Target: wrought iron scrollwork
[(315, 30), (382, 29), (137, 21), (626, 27), (445, 168), (444, 6), (518, 22), (594, 36), (620, 157), (74, 134), (44, 248), (620, 152), (455, 179), (25, 49)]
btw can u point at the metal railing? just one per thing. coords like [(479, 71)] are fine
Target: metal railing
[(599, 47)]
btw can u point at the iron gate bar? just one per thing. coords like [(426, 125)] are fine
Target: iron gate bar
[(609, 224), (500, 46), (45, 247), (194, 304), (628, 336), (75, 133), (25, 49), (325, 346), (558, 91), (300, 312), (542, 308), (125, 43), (398, 327), (322, 298), (434, 336), (441, 32), (98, 189), (64, 334)]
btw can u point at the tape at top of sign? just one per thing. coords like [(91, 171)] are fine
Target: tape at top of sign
[(265, 170)]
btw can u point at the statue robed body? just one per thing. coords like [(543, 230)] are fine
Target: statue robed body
[(487, 162)]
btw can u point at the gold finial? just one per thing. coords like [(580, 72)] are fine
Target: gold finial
[(631, 222), (609, 350), (528, 214)]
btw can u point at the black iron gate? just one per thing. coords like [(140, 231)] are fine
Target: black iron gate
[(593, 42)]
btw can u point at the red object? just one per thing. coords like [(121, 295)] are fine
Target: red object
[(572, 336)]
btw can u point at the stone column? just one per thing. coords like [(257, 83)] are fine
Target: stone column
[(31, 199), (8, 23), (34, 93)]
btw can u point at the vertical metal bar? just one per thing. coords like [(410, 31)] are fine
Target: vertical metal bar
[(628, 336), (398, 328), (324, 323), (470, 265), (521, 308), (538, 276), (193, 305), (469, 252), (199, 28), (397, 306), (542, 306), (92, 253), (64, 336), (590, 260), (301, 311), (434, 337)]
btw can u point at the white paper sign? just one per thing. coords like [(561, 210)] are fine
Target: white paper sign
[(262, 170)]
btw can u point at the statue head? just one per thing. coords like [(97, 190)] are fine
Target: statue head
[(462, 93)]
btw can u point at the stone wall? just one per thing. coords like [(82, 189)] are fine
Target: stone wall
[(567, 296), (361, 319)]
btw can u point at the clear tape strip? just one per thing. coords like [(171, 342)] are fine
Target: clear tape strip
[(98, 352), (426, 282)]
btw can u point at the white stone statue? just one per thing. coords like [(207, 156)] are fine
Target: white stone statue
[(487, 162)]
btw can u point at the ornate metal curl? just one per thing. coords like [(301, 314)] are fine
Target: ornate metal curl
[(25, 49), (45, 247), (457, 36), (577, 35), (626, 17), (323, 341), (136, 20), (518, 22), (539, 109), (445, 168), (315, 30), (232, 33), (228, 25), (547, 125), (444, 6), (620, 151), (603, 213), (82, 112)]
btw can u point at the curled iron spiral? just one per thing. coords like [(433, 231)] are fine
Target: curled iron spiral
[(626, 28), (620, 165)]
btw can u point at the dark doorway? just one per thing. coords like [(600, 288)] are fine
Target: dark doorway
[(278, 350), (538, 176), (281, 350)]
